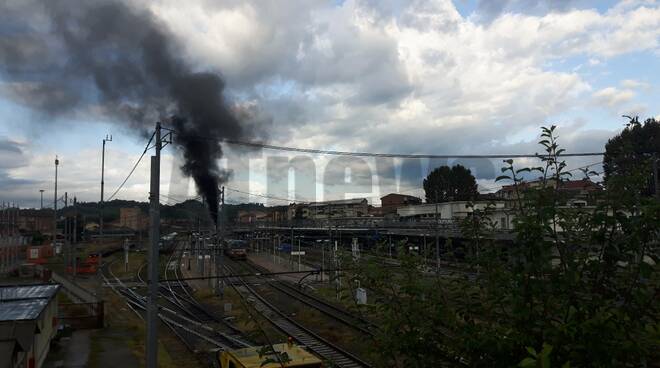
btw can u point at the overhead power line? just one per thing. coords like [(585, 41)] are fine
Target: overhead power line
[(396, 155), (146, 148), (375, 154)]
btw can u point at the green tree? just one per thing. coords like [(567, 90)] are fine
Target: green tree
[(629, 155), (450, 183), (572, 287)]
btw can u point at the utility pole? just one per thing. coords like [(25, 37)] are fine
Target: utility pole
[(220, 284), (67, 248), (42, 198), (106, 139), (57, 162), (126, 254), (154, 214), (656, 180), (437, 236), (67, 243), (75, 234)]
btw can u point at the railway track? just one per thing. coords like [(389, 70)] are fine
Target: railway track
[(194, 331), (320, 346), (336, 312), (186, 304)]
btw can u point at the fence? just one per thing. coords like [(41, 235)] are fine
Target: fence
[(87, 309), (12, 252), (81, 315)]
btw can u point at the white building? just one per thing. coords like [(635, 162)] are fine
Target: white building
[(343, 208), (458, 210)]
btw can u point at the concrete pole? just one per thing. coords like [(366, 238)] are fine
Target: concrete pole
[(106, 139), (16, 237), (656, 180), (203, 255), (75, 220), (2, 239), (389, 245), (57, 162), (152, 298), (67, 247), (437, 236), (126, 254)]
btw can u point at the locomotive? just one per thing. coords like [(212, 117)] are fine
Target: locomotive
[(236, 249)]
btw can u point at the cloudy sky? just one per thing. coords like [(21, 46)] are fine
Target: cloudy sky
[(426, 77)]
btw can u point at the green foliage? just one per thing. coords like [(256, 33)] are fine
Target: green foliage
[(629, 154), (446, 184), (272, 356), (580, 283)]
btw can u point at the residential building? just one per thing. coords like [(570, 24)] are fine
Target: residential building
[(247, 217), (277, 214), (392, 201), (576, 192), (458, 210), (133, 218), (298, 211), (355, 207), (41, 221)]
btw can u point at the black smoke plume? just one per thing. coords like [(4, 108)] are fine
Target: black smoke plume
[(110, 59)]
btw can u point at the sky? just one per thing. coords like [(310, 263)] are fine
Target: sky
[(412, 77)]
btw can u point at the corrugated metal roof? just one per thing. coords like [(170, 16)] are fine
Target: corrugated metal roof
[(25, 302), (27, 292), (21, 310)]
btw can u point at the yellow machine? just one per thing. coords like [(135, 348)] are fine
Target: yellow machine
[(290, 355)]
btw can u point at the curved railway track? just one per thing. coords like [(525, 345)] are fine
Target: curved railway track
[(185, 323), (322, 347), (336, 312)]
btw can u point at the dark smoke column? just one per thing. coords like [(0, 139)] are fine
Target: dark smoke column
[(112, 59)]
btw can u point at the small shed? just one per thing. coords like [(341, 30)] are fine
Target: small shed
[(28, 323)]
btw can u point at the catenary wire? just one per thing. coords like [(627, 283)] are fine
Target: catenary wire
[(146, 148)]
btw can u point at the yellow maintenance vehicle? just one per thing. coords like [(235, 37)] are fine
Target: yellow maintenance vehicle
[(287, 355)]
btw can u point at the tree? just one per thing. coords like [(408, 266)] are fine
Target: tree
[(450, 184), (574, 287), (629, 154)]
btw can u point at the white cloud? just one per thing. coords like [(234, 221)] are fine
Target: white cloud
[(634, 84), (423, 72), (367, 75), (612, 97)]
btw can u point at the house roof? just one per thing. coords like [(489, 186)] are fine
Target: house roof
[(567, 184), (339, 202), (578, 184), (400, 195)]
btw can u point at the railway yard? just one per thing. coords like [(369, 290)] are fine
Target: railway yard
[(239, 304)]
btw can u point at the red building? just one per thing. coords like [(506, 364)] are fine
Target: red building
[(392, 201)]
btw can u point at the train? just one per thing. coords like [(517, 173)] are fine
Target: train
[(167, 243), (289, 354), (236, 249)]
